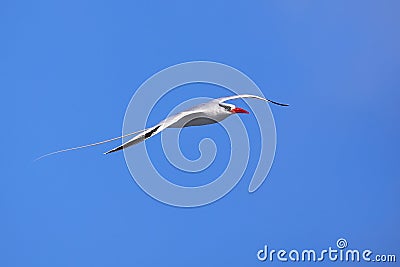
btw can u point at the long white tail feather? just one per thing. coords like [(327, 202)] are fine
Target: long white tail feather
[(94, 144)]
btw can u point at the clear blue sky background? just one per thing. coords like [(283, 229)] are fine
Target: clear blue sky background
[(69, 68)]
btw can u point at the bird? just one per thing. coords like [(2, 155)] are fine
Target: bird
[(210, 112)]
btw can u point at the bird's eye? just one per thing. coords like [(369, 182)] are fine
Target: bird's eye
[(226, 107)]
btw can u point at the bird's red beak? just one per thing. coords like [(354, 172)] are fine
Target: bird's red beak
[(239, 110)]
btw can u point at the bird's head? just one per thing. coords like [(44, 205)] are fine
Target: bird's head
[(232, 109)]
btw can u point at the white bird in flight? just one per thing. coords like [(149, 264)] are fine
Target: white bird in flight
[(210, 112)]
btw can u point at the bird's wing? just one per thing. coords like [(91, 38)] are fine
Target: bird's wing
[(223, 99), (149, 132)]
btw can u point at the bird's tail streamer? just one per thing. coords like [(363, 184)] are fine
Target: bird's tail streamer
[(89, 145)]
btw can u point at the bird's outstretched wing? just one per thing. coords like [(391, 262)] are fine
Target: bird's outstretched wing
[(223, 99), (149, 132)]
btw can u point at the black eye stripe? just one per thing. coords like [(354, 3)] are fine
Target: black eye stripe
[(227, 108)]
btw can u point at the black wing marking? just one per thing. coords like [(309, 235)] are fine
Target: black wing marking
[(147, 135), (139, 139)]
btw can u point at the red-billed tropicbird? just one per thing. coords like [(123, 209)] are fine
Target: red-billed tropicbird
[(210, 112)]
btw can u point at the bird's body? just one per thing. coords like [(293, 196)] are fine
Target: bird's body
[(198, 115), (210, 112)]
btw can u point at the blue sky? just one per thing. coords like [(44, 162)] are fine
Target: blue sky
[(68, 70)]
